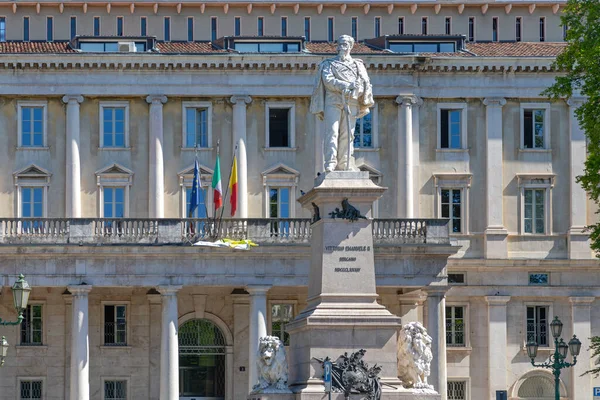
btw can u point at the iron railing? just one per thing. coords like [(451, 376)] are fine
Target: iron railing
[(98, 231)]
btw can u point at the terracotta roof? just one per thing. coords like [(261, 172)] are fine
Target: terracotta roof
[(516, 49), (35, 47), (327, 47), (186, 47)]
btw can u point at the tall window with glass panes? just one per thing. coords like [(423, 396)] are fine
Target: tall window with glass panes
[(281, 314)]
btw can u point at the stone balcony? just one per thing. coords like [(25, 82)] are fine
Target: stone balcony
[(177, 232)]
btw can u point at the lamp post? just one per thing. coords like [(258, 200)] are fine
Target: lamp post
[(20, 291), (556, 362)]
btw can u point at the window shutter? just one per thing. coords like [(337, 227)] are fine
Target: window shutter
[(444, 142), (528, 129)]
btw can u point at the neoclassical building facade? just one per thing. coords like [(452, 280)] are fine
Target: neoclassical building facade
[(105, 107)]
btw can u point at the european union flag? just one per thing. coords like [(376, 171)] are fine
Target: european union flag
[(196, 195)]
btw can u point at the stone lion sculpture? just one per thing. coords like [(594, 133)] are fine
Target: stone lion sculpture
[(414, 356), (272, 367)]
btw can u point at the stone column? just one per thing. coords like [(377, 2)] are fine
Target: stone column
[(405, 192), (80, 352), (73, 167), (436, 327), (169, 346), (498, 363), (495, 243), (239, 139), (582, 327), (579, 246), (156, 179), (258, 328)]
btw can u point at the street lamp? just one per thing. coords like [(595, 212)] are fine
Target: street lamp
[(3, 350), (20, 291), (556, 361)]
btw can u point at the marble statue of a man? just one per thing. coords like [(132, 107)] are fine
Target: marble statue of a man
[(342, 93)]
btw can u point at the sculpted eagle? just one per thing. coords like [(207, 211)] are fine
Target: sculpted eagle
[(272, 367), (414, 356)]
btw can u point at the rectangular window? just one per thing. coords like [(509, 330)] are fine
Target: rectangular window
[(539, 278), (537, 325), (143, 26), (2, 29), (455, 326), (114, 202), (26, 29), (96, 26), (31, 327), (307, 28), (565, 30), (30, 390), (363, 132), (115, 319), (448, 26), (73, 27), (279, 203), (32, 126), (279, 127), (237, 29), (196, 129), (167, 29), (495, 29), (451, 207), (32, 202), (457, 278), (283, 26), (471, 29), (542, 29), (355, 28), (518, 28), (119, 26), (213, 28), (330, 30), (534, 203), (115, 390), (533, 129), (49, 29), (401, 26), (200, 211), (457, 390), (281, 314), (450, 125), (113, 124), (424, 25), (260, 26), (377, 26), (190, 29)]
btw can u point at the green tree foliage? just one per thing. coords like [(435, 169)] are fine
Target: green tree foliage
[(580, 77)]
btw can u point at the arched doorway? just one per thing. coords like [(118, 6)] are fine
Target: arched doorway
[(537, 385), (202, 351)]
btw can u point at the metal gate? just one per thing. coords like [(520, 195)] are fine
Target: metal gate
[(201, 361)]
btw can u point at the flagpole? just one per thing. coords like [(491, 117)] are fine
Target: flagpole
[(216, 233), (228, 180), (200, 182)]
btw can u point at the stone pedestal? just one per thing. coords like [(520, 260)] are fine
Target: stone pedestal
[(342, 314)]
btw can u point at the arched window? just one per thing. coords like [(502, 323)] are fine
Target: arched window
[(537, 385), (202, 348)]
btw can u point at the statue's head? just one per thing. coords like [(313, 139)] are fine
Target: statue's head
[(270, 349), (344, 45)]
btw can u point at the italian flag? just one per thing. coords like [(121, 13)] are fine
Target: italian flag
[(233, 186), (216, 185)]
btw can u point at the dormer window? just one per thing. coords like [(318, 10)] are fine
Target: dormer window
[(111, 44), (419, 43), (423, 47), (261, 45)]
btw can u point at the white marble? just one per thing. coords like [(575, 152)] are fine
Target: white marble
[(169, 346), (156, 179), (73, 167), (80, 348)]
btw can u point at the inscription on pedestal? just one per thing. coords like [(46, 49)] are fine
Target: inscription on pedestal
[(347, 258)]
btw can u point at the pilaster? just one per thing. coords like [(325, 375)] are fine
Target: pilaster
[(495, 244), (156, 179), (73, 163), (498, 362), (155, 315), (582, 327), (239, 139), (411, 306)]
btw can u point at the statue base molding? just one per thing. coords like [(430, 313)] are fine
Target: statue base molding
[(404, 394)]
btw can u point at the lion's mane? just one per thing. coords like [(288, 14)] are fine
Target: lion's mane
[(414, 356)]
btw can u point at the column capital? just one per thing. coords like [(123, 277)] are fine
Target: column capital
[(169, 290), (240, 98), (416, 298), (257, 290), (156, 99), (409, 100), (582, 300), (575, 101), (436, 291), (497, 300), (494, 101), (68, 98), (79, 290)]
